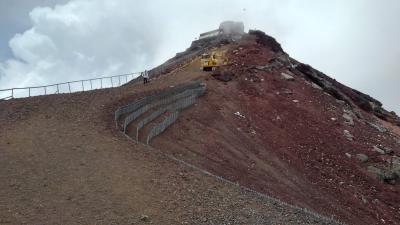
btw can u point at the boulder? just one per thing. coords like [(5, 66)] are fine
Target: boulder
[(286, 76), (144, 218), (379, 150), (276, 63), (287, 92), (382, 149), (388, 150), (268, 68), (338, 101), (362, 157), (374, 170), (348, 119), (316, 86), (378, 127), (387, 176), (348, 135)]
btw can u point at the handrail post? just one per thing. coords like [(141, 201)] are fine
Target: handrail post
[(91, 86), (111, 82), (58, 89), (12, 93), (119, 80), (29, 92), (45, 90), (101, 82), (83, 87), (69, 87)]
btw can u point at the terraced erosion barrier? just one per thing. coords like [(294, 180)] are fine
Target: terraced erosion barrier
[(152, 103), (179, 105), (171, 102), (159, 128), (144, 101)]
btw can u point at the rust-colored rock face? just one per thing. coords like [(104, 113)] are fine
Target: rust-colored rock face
[(290, 138)]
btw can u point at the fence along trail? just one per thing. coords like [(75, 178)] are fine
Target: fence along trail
[(69, 87)]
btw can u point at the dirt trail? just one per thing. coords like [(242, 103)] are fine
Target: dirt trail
[(63, 162)]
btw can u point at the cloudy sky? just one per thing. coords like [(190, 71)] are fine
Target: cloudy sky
[(49, 41)]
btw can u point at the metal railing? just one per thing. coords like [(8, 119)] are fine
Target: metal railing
[(69, 87)]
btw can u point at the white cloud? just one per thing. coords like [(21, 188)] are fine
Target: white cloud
[(355, 42), (82, 39)]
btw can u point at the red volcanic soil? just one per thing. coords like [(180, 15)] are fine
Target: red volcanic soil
[(64, 162), (285, 138)]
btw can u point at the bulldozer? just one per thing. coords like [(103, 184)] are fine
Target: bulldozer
[(210, 61)]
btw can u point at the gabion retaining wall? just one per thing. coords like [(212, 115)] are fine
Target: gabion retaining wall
[(135, 105), (158, 129), (174, 100), (150, 103), (177, 106)]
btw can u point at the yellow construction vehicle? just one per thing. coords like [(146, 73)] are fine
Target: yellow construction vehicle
[(209, 61)]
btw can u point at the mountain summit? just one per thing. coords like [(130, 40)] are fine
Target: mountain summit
[(260, 139), (283, 128)]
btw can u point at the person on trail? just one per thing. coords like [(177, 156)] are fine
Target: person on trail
[(145, 76)]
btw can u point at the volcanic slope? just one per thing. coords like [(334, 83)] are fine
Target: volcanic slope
[(64, 162), (280, 127)]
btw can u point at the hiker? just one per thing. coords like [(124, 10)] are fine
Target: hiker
[(145, 76)]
